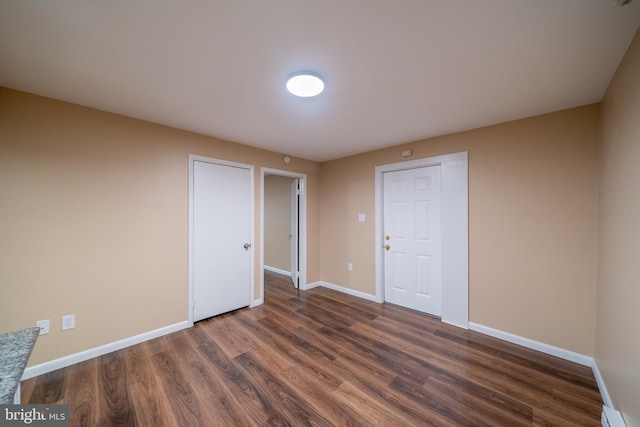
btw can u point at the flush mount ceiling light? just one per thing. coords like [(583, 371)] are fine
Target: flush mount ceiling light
[(305, 84)]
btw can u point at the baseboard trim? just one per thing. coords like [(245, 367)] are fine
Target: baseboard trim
[(344, 290), (606, 398), (63, 362), (277, 270), (310, 286), (534, 345)]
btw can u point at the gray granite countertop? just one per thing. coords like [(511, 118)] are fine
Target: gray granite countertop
[(15, 349)]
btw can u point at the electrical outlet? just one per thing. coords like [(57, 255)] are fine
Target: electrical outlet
[(44, 326), (68, 322), (349, 267)]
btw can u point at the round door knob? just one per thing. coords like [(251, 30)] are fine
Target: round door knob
[(247, 246)]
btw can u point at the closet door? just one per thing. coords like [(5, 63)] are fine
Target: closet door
[(221, 238)]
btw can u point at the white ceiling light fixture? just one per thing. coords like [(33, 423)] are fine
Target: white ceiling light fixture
[(305, 84)]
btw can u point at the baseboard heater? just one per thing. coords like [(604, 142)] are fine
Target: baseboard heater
[(611, 418)]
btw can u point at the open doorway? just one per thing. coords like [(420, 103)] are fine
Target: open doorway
[(281, 231), (283, 226)]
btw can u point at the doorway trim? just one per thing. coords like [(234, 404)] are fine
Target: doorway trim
[(302, 237), (193, 158), (454, 226)]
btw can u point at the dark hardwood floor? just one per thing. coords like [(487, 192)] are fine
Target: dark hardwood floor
[(322, 358)]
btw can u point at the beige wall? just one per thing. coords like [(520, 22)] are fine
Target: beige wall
[(94, 220), (618, 315), (277, 222), (532, 223)]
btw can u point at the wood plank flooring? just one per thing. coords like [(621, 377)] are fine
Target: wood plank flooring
[(322, 358)]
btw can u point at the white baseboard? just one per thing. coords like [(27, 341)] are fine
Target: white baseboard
[(257, 302), (277, 270), (310, 286), (534, 345), (612, 418), (606, 398), (552, 350), (63, 362), (343, 290)]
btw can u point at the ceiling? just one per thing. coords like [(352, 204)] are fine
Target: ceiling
[(395, 72)]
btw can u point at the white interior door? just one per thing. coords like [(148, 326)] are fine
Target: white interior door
[(295, 212), (221, 238), (413, 262)]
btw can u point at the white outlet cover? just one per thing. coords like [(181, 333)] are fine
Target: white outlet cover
[(68, 322), (361, 217)]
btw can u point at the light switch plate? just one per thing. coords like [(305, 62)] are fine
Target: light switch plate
[(361, 218)]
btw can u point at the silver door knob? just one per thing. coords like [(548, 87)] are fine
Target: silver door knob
[(247, 246)]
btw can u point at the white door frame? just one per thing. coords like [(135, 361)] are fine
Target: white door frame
[(455, 232), (302, 243), (193, 158), (295, 232)]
